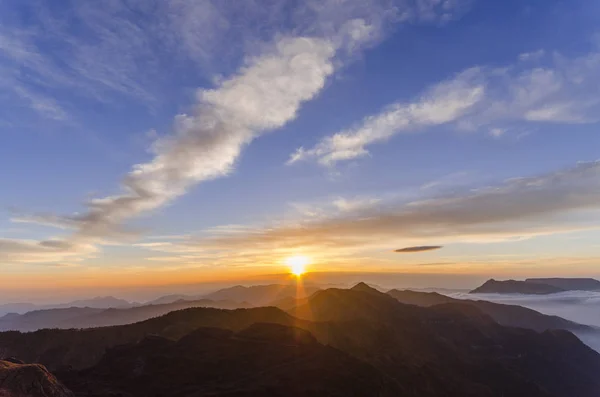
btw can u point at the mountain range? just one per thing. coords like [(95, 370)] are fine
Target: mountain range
[(537, 286), (107, 311), (99, 302), (86, 317), (356, 341)]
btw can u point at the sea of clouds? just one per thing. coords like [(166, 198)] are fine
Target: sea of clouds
[(580, 306)]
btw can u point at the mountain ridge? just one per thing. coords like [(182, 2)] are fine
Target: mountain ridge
[(492, 286)]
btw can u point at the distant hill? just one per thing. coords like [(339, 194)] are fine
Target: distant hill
[(49, 318), (509, 315), (569, 284), (515, 287), (390, 348), (18, 307), (99, 302), (75, 317), (173, 298), (261, 295)]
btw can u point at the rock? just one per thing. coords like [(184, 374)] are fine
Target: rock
[(29, 380)]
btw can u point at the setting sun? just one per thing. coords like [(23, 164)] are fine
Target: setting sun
[(297, 264)]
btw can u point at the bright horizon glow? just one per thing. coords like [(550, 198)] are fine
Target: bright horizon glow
[(297, 264)]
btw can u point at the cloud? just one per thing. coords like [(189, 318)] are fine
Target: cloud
[(532, 56), (54, 58), (497, 132), (558, 202), (355, 204), (277, 76), (564, 91), (421, 248), (125, 49), (440, 104), (46, 251), (264, 95)]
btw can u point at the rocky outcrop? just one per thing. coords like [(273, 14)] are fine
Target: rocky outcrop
[(29, 380)]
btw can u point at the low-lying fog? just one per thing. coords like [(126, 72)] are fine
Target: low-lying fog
[(580, 306)]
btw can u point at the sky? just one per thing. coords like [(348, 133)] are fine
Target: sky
[(148, 142)]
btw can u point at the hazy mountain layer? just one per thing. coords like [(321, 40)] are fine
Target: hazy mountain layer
[(88, 317)]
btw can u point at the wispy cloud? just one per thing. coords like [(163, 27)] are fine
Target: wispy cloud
[(52, 55), (47, 251), (565, 91), (557, 202), (441, 104)]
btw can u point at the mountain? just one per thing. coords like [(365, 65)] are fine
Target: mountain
[(264, 359), (19, 307), (75, 317), (452, 349), (569, 284), (288, 303), (50, 318), (173, 298), (515, 287), (509, 315), (58, 348), (99, 302), (29, 380), (261, 295), (444, 350)]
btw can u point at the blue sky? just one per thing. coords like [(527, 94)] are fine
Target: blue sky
[(189, 139)]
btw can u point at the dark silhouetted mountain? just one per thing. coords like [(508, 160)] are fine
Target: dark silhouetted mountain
[(262, 360), (509, 315), (453, 349), (515, 287), (261, 295), (29, 380), (75, 317), (445, 350), (569, 284), (418, 298), (288, 303), (58, 348)]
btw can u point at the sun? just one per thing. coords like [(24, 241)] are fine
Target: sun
[(297, 264)]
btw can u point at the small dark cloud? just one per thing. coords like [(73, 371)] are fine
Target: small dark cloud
[(419, 248)]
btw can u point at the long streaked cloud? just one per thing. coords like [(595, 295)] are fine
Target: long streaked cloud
[(263, 95), (441, 104), (560, 90), (557, 202), (418, 248), (47, 251)]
